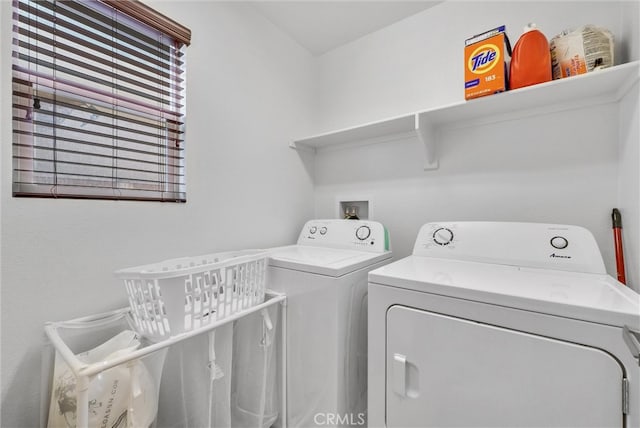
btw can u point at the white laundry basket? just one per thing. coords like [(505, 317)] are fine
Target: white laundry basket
[(180, 295)]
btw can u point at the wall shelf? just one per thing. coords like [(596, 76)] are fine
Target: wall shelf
[(599, 87), (367, 132)]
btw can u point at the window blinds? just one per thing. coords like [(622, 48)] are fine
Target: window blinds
[(98, 103)]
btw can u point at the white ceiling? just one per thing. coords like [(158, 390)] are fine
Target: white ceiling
[(320, 26)]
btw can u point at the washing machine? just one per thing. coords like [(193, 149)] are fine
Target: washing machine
[(502, 325), (325, 278)]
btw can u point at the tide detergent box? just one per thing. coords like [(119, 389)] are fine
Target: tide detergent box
[(485, 57)]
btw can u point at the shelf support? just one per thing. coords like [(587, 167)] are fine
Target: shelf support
[(426, 134)]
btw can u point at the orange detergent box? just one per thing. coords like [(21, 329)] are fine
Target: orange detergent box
[(484, 63)]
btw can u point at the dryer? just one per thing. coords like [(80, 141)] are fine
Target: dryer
[(502, 324), (325, 278)]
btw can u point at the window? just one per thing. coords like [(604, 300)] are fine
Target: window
[(98, 101)]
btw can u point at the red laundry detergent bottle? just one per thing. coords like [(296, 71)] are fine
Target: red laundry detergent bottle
[(531, 59)]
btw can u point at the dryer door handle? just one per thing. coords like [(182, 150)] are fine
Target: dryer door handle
[(631, 338), (400, 374)]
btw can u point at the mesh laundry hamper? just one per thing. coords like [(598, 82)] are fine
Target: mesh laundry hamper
[(94, 377)]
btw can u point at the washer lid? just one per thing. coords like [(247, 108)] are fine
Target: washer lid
[(323, 261), (583, 296)]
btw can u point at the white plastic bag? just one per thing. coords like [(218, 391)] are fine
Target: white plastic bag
[(123, 396), (580, 51)]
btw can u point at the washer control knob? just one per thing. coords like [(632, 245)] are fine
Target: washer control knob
[(443, 236), (313, 230), (323, 230), (363, 233), (559, 242)]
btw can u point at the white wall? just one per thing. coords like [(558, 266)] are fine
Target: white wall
[(249, 92), (628, 188), (548, 168), (629, 154)]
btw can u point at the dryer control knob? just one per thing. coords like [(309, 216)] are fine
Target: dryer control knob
[(443, 236), (363, 233), (323, 230), (313, 230), (559, 242)]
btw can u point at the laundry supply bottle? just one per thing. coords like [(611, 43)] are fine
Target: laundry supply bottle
[(531, 59)]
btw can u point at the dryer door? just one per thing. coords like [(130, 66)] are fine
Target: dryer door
[(446, 371)]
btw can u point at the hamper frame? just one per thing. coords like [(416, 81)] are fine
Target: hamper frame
[(85, 373)]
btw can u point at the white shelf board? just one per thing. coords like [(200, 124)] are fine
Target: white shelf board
[(374, 130), (598, 87)]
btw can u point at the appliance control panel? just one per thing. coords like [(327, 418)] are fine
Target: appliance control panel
[(548, 246), (362, 235)]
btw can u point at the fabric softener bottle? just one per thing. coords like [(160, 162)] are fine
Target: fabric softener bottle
[(531, 59)]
